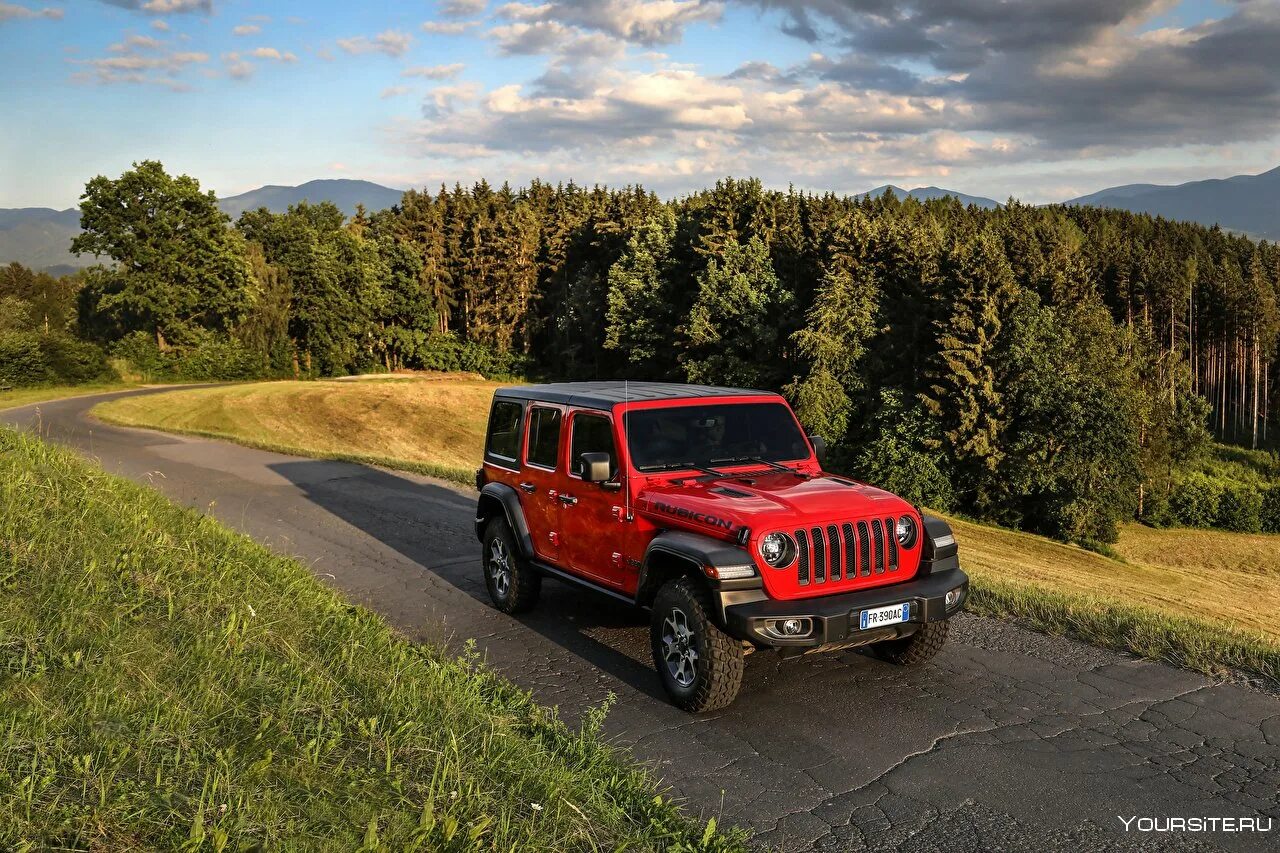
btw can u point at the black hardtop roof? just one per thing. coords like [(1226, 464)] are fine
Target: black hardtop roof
[(604, 395)]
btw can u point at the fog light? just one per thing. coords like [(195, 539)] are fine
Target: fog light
[(954, 597), (789, 629)]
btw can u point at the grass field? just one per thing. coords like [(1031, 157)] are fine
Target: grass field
[(26, 396), (431, 425), (167, 684), (1198, 598)]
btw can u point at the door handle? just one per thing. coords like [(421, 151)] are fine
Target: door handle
[(528, 487), (568, 500)]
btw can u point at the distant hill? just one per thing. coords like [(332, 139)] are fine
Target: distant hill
[(1246, 203), (40, 237), (346, 194), (927, 193)]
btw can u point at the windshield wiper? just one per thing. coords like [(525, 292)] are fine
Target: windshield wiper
[(756, 460), (672, 466)]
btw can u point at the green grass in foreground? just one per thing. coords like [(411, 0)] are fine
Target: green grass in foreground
[(169, 684), (26, 396)]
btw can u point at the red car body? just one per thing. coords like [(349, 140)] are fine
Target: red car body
[(636, 529)]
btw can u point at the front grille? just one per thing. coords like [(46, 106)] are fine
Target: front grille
[(846, 551)]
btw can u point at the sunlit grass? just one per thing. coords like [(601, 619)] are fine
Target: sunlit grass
[(168, 684), (432, 426), (15, 397)]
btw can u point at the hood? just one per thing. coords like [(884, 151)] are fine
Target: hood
[(761, 501)]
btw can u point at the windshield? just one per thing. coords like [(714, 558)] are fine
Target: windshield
[(723, 434)]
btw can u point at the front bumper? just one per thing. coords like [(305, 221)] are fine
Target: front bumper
[(834, 618)]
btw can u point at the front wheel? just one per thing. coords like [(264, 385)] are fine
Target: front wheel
[(919, 648), (700, 666), (513, 584)]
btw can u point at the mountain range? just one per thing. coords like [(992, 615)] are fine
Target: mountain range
[(39, 237), (1248, 204), (927, 193)]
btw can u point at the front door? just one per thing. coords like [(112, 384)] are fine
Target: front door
[(592, 532), (540, 480)]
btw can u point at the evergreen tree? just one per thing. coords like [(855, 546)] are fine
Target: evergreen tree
[(963, 394), (731, 332), (639, 316), (839, 325)]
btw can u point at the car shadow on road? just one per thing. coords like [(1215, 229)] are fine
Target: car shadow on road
[(434, 527)]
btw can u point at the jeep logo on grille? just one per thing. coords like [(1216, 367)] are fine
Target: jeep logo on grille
[(681, 512)]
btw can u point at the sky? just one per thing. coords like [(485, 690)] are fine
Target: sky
[(1041, 100)]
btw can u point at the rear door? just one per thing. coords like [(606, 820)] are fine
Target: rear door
[(590, 514), (540, 478)]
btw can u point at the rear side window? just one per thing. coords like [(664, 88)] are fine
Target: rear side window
[(592, 433), (503, 441), (544, 437)]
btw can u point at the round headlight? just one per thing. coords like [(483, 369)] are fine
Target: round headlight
[(906, 530), (778, 549)]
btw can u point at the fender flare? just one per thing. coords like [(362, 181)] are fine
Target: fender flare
[(938, 552), (499, 497), (671, 548)]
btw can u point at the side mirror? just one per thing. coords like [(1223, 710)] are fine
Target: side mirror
[(819, 448), (595, 466)]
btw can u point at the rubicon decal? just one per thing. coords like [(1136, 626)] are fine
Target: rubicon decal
[(704, 518)]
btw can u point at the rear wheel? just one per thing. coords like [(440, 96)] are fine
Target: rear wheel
[(919, 648), (700, 666), (513, 584)]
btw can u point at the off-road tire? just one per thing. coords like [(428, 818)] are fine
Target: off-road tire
[(919, 648), (717, 672), (523, 583)]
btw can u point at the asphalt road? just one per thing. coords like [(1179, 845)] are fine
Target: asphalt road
[(1010, 740)]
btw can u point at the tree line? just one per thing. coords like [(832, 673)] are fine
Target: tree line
[(1051, 368)]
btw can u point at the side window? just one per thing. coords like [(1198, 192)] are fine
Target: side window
[(503, 442), (591, 433), (544, 437)]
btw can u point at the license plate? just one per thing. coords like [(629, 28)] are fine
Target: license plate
[(878, 617)]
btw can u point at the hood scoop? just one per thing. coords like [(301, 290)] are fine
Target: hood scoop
[(729, 492)]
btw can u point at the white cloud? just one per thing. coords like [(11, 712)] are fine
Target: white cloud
[(136, 43), (435, 72), (461, 8), (390, 42), (160, 26), (448, 28), (246, 30), (141, 60), (272, 53), (165, 7), (646, 22), (9, 12), (395, 91)]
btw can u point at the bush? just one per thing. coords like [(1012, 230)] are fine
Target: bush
[(1195, 498), (21, 360), (72, 360), (1270, 516), (447, 353), (218, 358), (1156, 510), (138, 350), (1240, 508)]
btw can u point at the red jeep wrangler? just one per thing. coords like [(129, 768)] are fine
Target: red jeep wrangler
[(709, 507)]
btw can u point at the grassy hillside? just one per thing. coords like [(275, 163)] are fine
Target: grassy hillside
[(168, 684), (433, 424), (26, 396), (1195, 597)]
